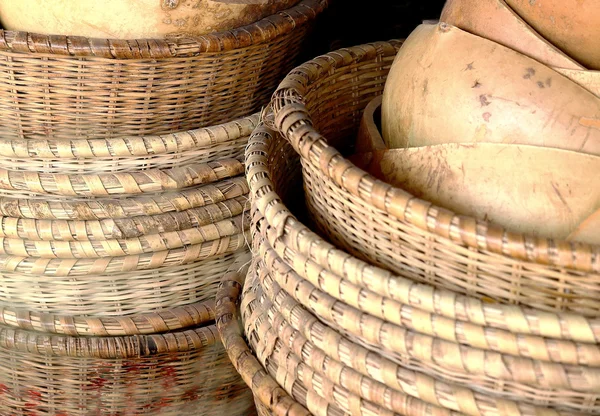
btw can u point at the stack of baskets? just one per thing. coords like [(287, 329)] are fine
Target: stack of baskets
[(466, 319), (122, 205)]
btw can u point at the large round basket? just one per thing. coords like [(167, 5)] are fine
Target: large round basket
[(184, 372), (342, 336), (318, 108), (63, 87)]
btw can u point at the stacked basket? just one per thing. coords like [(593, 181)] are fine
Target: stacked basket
[(471, 320), (120, 213)]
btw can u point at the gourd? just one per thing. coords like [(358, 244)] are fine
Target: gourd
[(132, 19)]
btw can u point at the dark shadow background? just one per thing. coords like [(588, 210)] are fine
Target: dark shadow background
[(349, 23)]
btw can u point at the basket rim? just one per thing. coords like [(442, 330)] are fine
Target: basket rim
[(126, 146), (106, 347), (277, 214), (265, 389), (165, 320), (264, 30), (293, 120)]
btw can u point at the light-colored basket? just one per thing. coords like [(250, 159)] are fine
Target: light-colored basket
[(184, 372), (396, 337), (318, 107), (270, 398), (128, 154), (58, 87)]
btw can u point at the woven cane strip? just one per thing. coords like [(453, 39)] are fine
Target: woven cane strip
[(514, 319), (60, 301), (125, 247), (360, 395), (299, 105), (120, 183), (416, 380), (270, 398), (262, 31), (104, 208), (120, 228), (109, 265), (108, 326)]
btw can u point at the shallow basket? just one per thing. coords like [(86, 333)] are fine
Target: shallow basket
[(60, 87), (433, 347), (318, 108), (184, 372)]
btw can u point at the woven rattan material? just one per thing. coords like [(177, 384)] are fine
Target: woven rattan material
[(262, 31), (510, 326), (59, 88), (270, 398), (114, 294), (185, 372), (125, 247), (111, 265), (145, 323), (346, 293), (104, 208), (120, 183), (391, 228), (126, 154), (110, 229)]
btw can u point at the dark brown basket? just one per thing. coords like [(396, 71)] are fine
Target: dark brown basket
[(57, 87)]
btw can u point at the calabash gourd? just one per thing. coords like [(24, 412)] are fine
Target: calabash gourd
[(571, 25), (133, 19), (449, 86)]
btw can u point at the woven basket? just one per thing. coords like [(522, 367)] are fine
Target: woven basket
[(270, 398), (425, 346), (128, 154), (181, 373), (318, 108), (61, 88)]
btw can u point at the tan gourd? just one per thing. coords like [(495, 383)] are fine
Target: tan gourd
[(496, 21), (571, 25), (534, 190), (133, 19), (588, 231), (590, 80), (449, 86)]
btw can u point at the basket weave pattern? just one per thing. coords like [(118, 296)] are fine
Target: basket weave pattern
[(56, 87), (318, 106), (344, 337)]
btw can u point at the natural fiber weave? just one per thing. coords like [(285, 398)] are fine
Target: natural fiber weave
[(120, 228), (270, 398), (113, 294), (54, 87), (126, 154), (114, 208), (180, 373), (111, 265), (119, 183), (164, 320), (318, 106), (428, 344)]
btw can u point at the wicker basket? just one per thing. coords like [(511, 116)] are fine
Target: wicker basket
[(318, 108), (181, 373), (383, 335), (61, 88), (270, 398), (90, 250)]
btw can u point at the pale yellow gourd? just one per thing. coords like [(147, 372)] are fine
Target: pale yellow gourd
[(533, 190), (496, 21), (133, 19), (449, 86), (571, 25)]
